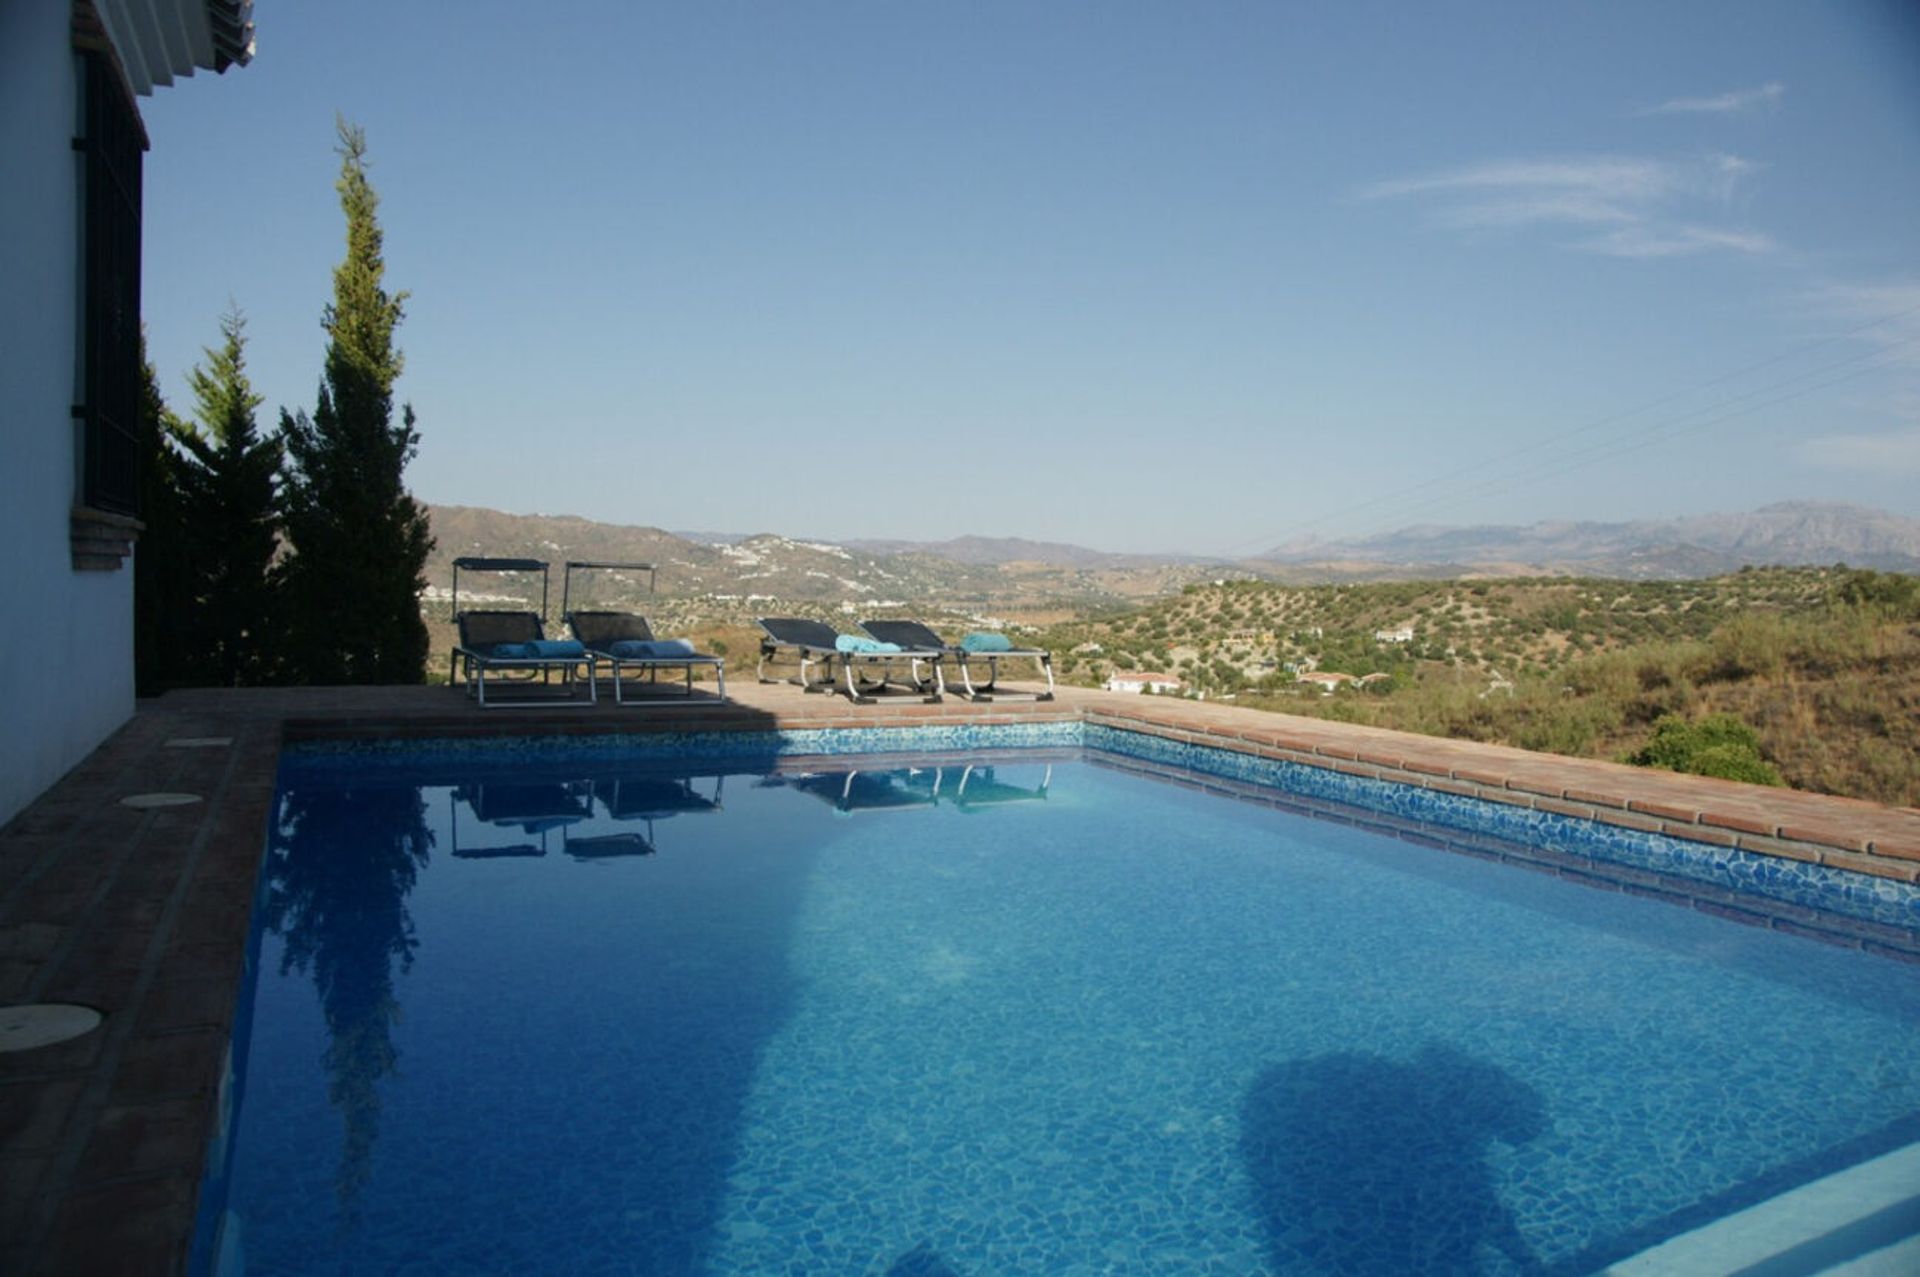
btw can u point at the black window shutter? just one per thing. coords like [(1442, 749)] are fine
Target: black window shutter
[(110, 296)]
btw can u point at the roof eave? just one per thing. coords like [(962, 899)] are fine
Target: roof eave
[(157, 40)]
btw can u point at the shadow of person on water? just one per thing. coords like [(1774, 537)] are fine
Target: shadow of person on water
[(922, 1261), (1366, 1165)]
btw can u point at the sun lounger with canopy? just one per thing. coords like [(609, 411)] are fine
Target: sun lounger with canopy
[(512, 646), (626, 642)]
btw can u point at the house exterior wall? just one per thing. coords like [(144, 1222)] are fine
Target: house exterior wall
[(66, 636)]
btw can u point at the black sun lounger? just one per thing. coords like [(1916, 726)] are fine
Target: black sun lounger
[(605, 633), (499, 642), (615, 636), (815, 644), (489, 643), (914, 634)]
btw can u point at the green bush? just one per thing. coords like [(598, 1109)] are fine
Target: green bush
[(1894, 594), (1717, 745), (1733, 762)]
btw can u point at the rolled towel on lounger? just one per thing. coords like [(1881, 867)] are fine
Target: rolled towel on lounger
[(539, 650), (652, 649), (986, 641), (854, 643)]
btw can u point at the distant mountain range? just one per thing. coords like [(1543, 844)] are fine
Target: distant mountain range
[(1789, 533), (985, 551), (976, 572), (751, 573)]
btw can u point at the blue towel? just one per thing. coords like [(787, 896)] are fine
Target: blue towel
[(854, 643), (986, 641), (539, 649), (652, 649)]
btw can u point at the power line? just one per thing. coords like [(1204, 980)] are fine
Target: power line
[(1397, 495), (1658, 433)]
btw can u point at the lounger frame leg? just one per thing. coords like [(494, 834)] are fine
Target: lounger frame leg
[(989, 690)]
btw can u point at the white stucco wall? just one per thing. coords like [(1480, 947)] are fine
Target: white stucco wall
[(66, 637)]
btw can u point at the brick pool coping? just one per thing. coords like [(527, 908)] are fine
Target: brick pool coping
[(144, 913)]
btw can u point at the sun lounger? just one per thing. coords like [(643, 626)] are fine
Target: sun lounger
[(625, 642), (816, 645), (512, 646), (963, 655)]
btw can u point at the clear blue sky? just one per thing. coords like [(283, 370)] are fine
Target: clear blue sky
[(1139, 276)]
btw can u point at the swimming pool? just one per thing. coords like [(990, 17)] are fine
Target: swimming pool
[(1056, 1009)]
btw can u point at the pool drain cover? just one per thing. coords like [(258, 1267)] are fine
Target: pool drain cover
[(159, 800), (44, 1023)]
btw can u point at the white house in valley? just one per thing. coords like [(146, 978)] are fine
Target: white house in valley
[(1158, 684), (71, 147)]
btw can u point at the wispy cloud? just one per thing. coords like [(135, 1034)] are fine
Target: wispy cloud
[(1604, 178), (1765, 98), (1650, 207), (1677, 241)]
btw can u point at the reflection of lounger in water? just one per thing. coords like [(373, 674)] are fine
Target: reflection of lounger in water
[(652, 797), (902, 789), (642, 798), (532, 808), (979, 787), (606, 846)]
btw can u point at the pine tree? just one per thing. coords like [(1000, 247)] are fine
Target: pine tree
[(163, 585), (229, 482), (359, 539)]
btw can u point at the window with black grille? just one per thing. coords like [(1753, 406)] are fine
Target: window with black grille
[(110, 292)]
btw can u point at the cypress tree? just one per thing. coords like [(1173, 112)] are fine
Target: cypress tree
[(163, 584), (229, 481), (359, 539)]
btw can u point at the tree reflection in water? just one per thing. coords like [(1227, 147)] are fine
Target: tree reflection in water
[(340, 863)]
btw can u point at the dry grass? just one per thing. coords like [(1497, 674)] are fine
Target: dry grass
[(1834, 696)]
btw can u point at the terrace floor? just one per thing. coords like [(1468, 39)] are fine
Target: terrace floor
[(143, 913)]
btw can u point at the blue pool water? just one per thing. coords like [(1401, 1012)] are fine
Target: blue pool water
[(1043, 1014)]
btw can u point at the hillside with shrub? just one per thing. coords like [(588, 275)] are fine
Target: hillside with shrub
[(1808, 674)]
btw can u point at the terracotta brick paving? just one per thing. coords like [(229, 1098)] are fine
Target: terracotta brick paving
[(143, 913)]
